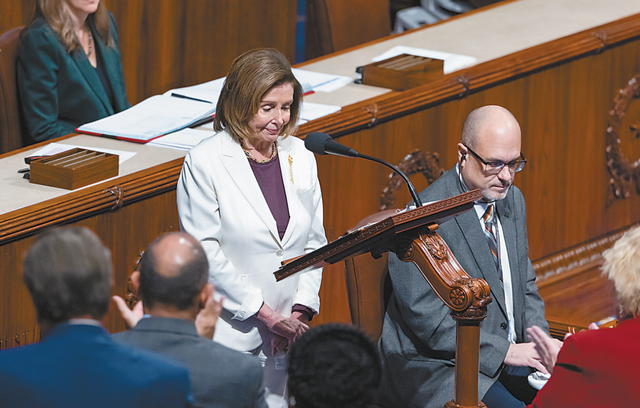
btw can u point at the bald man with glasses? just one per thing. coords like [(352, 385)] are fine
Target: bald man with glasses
[(490, 242)]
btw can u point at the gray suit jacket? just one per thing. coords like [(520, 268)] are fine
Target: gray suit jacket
[(220, 377), (418, 336)]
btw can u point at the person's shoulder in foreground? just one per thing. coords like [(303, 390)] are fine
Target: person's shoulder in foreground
[(69, 275), (172, 282)]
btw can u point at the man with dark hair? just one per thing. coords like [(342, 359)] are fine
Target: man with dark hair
[(69, 275), (333, 366), (172, 284)]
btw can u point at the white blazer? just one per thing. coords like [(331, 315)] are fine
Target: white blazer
[(220, 203)]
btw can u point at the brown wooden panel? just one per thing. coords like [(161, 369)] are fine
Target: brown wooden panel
[(15, 13), (126, 231), (333, 25), (173, 43)]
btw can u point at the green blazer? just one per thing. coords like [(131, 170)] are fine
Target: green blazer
[(60, 91)]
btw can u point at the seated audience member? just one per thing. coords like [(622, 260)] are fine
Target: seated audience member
[(69, 275), (69, 69), (333, 366), (599, 368), (172, 283)]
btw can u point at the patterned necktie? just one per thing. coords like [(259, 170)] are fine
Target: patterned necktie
[(490, 230)]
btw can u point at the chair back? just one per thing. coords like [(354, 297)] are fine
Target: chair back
[(10, 126), (368, 288), (368, 282)]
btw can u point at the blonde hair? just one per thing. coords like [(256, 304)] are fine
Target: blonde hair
[(622, 267), (252, 75), (58, 15)]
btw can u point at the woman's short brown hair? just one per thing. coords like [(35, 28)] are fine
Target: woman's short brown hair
[(252, 75)]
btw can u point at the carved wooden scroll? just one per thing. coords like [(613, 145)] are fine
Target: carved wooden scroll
[(411, 235), (624, 129), (427, 164), (466, 297)]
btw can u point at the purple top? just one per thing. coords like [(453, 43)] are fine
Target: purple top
[(269, 179)]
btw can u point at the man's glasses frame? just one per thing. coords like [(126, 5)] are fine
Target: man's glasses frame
[(495, 167)]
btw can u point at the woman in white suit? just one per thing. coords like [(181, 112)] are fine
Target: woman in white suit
[(251, 195)]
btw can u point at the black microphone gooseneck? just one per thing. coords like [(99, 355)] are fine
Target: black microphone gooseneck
[(322, 143)]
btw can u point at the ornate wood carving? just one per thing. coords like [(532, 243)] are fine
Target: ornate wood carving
[(466, 297), (428, 164), (624, 127), (573, 259)]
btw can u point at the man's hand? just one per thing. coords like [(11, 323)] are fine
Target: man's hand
[(131, 317), (546, 347), (208, 316), (525, 355)]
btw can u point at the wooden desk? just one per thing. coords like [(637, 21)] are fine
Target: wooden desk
[(127, 212), (534, 59)]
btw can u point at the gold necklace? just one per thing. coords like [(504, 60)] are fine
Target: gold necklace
[(90, 45), (274, 151)]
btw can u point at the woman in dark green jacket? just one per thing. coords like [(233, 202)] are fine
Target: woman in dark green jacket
[(69, 68)]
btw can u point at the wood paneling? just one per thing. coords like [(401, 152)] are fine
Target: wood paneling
[(333, 25), (173, 43), (126, 231)]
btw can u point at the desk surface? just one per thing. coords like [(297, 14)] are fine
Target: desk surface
[(18, 193), (486, 35)]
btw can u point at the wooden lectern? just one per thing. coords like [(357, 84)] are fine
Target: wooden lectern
[(412, 236)]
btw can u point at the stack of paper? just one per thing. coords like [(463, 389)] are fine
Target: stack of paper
[(184, 139), (151, 118)]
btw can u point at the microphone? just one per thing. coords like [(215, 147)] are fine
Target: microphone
[(322, 143)]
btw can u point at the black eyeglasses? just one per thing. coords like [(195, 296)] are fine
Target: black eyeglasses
[(495, 167)]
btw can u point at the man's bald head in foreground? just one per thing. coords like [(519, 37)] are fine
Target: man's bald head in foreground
[(173, 271)]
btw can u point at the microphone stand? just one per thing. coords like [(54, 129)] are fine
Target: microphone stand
[(412, 190)]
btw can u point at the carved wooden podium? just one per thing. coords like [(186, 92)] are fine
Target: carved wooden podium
[(412, 236)]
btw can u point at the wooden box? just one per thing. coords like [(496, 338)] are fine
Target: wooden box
[(402, 72), (73, 168)]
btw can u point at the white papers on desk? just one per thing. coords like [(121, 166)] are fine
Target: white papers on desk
[(55, 148), (208, 91), (319, 82), (311, 111), (452, 62), (184, 139), (310, 81), (151, 118)]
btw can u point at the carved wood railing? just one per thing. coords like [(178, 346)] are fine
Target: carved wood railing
[(103, 197), (573, 288), (396, 104)]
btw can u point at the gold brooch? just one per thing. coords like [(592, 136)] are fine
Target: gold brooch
[(291, 168)]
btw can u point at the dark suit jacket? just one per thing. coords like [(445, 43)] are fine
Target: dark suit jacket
[(418, 336), (60, 91), (220, 377), (596, 368), (81, 366)]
